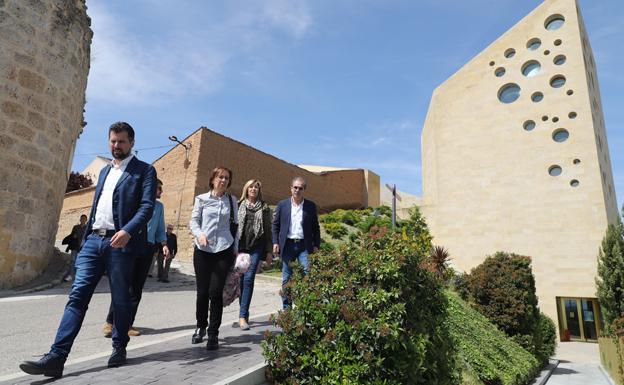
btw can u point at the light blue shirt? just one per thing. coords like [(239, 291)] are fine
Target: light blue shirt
[(211, 217), (156, 232)]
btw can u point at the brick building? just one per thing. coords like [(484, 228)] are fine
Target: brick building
[(185, 173)]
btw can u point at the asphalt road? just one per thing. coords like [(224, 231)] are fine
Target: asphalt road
[(28, 323)]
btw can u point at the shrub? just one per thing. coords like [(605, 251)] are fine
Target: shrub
[(326, 247), (374, 221), (416, 227), (503, 289), (335, 230), (78, 181), (545, 338), (350, 218), (489, 353), (610, 291), (367, 315)]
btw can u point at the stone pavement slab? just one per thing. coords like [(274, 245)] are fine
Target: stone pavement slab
[(579, 364), (176, 361)]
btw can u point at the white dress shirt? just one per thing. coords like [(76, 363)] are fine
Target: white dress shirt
[(104, 211), (296, 221)]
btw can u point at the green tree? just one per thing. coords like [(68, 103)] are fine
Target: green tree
[(610, 290)]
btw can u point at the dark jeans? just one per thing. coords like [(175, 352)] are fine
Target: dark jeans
[(94, 258), (210, 272), (247, 281), (293, 251), (142, 265), (163, 267)]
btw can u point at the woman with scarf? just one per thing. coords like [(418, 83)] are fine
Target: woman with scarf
[(254, 234)]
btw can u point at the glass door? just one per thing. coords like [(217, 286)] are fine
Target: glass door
[(572, 318), (589, 319), (579, 319)]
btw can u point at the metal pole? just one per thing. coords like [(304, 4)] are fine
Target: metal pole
[(393, 206)]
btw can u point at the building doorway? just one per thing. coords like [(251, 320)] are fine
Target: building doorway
[(579, 319)]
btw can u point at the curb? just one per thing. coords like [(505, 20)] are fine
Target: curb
[(606, 375), (251, 376), (546, 373)]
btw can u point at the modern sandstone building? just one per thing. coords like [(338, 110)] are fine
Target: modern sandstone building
[(515, 158)]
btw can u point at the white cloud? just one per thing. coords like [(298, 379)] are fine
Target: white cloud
[(192, 60)]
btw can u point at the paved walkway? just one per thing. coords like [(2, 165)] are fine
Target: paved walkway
[(579, 365)]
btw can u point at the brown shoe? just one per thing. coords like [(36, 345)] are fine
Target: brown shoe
[(107, 329), (132, 332)]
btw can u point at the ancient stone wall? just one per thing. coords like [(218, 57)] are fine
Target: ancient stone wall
[(44, 63)]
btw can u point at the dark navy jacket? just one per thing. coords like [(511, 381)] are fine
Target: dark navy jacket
[(311, 228), (133, 202)]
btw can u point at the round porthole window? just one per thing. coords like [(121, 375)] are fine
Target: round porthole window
[(557, 81), (544, 118), (510, 53), (554, 22), (533, 44), (509, 93), (529, 125), (560, 135), (574, 183), (537, 97), (559, 60), (572, 115), (569, 92), (555, 119), (557, 42), (576, 161), (546, 52), (531, 68), (554, 170), (500, 71), (492, 64)]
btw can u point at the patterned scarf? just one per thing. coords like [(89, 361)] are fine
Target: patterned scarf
[(258, 228)]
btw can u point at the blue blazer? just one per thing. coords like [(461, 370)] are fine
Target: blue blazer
[(311, 228), (133, 202)]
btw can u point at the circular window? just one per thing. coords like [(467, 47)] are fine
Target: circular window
[(533, 44), (544, 118), (555, 119), (574, 183), (570, 92), (559, 59), (492, 63), (510, 53), (557, 81), (547, 52), (554, 170), (554, 22), (509, 93), (531, 68), (500, 71), (537, 97), (557, 42), (576, 161), (529, 125), (560, 135), (572, 115)]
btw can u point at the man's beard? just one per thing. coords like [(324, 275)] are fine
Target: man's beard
[(120, 155)]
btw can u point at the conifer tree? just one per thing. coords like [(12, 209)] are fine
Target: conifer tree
[(610, 280)]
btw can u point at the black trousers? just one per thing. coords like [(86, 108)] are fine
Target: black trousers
[(210, 272), (142, 265)]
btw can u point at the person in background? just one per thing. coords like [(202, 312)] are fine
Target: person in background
[(296, 231), (74, 245), (116, 231), (254, 238), (213, 224), (156, 238), (164, 263)]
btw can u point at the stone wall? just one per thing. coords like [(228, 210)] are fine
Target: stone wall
[(44, 63)]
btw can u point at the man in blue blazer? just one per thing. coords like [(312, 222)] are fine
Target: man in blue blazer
[(296, 231), (116, 232)]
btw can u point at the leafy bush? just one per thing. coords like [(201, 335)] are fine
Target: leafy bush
[(78, 181), (335, 230), (610, 291), (489, 353), (367, 315), (545, 338), (350, 217), (503, 289), (326, 247)]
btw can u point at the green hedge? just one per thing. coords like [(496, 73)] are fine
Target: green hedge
[(492, 356), (368, 314)]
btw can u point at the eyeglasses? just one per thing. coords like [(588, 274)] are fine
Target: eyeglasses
[(297, 188)]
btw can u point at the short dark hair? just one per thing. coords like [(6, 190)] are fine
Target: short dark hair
[(299, 178), (159, 182), (83, 215), (216, 172), (122, 127)]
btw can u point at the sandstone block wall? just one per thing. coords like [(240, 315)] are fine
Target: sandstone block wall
[(44, 63)]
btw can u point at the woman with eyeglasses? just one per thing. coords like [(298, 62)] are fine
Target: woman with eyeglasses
[(213, 223), (254, 234)]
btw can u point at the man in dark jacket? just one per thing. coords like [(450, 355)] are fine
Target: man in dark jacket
[(74, 245)]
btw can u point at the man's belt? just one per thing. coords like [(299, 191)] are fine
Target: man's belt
[(295, 240), (103, 232)]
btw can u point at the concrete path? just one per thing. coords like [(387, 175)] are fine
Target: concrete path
[(579, 365)]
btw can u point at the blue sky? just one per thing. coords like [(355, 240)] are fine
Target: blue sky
[(343, 83)]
